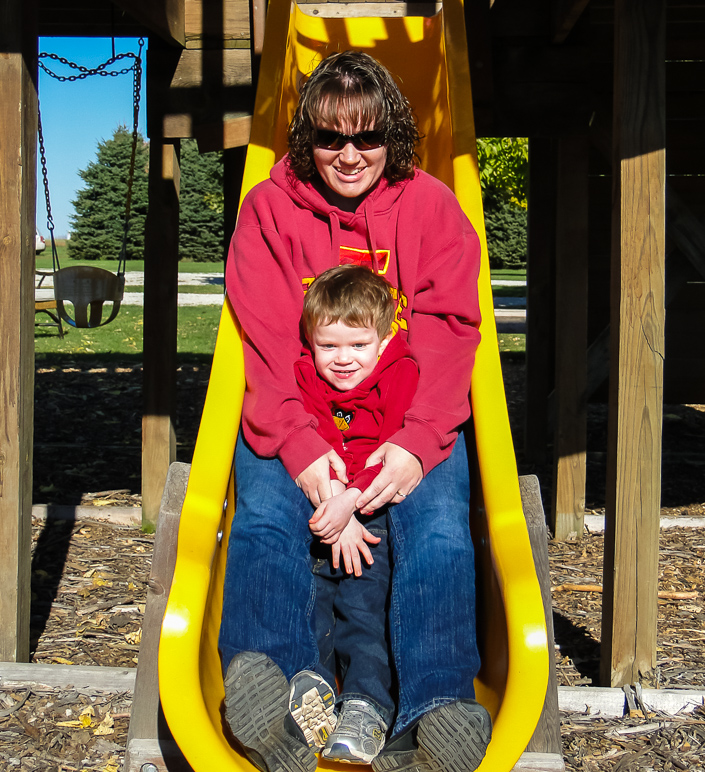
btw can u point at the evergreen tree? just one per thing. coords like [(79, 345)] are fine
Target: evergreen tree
[(98, 222), (201, 204)]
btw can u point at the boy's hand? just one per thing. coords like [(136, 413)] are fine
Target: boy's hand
[(351, 544), (333, 515), (401, 473), (315, 480)]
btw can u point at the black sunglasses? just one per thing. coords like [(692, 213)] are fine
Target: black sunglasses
[(334, 140)]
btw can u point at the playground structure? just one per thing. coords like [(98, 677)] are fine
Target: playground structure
[(549, 71), (428, 55)]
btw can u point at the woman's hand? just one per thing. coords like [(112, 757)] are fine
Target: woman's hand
[(314, 481), (351, 544), (401, 473)]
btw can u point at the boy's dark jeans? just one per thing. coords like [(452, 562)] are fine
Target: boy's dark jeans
[(351, 626)]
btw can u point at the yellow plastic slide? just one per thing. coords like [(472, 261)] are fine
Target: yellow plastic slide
[(429, 56)]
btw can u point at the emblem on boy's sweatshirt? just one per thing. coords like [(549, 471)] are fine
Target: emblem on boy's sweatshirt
[(352, 256), (342, 418)]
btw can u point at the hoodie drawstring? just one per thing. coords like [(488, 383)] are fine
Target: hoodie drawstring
[(371, 236), (335, 239)]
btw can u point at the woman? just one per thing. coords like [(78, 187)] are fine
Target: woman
[(349, 191)]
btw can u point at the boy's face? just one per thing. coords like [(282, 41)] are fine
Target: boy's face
[(344, 356)]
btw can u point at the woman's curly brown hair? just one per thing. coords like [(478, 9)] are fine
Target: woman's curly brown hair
[(352, 88)]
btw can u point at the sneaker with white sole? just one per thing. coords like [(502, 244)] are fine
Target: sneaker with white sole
[(257, 712), (359, 735), (312, 706)]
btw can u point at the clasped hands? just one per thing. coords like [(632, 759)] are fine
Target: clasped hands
[(333, 520)]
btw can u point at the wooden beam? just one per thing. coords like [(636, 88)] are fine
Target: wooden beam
[(636, 375), (565, 14), (18, 140), (216, 25), (547, 735), (569, 442), (196, 69), (164, 18), (203, 94), (161, 272), (540, 292), (145, 714), (83, 678)]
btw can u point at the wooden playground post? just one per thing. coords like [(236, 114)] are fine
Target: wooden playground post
[(630, 582), (539, 314), (570, 422), (161, 275), (18, 130)]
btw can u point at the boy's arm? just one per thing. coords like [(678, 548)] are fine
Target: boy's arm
[(351, 544), (331, 517)]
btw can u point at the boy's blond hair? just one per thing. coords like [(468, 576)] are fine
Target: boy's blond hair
[(350, 294)]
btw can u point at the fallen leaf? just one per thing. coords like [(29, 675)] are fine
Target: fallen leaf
[(105, 727)]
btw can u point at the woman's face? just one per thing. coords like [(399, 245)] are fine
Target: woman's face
[(349, 173)]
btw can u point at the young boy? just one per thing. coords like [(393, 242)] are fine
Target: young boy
[(357, 381)]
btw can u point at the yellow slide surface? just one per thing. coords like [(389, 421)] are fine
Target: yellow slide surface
[(429, 57)]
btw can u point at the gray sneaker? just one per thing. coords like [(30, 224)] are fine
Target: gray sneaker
[(451, 738), (359, 735), (312, 706), (257, 712)]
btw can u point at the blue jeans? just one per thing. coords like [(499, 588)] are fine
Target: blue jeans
[(269, 591), (351, 623)]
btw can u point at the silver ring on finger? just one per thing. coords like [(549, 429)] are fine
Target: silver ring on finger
[(401, 495)]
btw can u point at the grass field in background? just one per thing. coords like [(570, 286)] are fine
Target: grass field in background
[(44, 262), (197, 325), (511, 342), (514, 274), (197, 329)]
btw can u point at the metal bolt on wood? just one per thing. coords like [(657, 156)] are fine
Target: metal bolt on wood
[(149, 767)]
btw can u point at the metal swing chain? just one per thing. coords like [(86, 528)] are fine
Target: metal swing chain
[(122, 262), (85, 72), (45, 178)]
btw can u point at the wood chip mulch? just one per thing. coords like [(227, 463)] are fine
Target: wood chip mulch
[(89, 589), (89, 580), (56, 730), (655, 742), (89, 586)]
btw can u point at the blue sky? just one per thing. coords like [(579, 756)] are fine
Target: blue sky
[(76, 116)]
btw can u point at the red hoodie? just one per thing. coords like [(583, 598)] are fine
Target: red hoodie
[(356, 422), (417, 236)]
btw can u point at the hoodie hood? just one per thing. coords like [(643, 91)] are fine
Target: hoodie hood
[(396, 349), (380, 200)]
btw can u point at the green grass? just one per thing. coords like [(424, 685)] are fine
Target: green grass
[(197, 328), (513, 274), (196, 289), (511, 343), (509, 292), (45, 262)]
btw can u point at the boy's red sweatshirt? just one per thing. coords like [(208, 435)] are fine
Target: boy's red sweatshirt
[(356, 422), (416, 235)]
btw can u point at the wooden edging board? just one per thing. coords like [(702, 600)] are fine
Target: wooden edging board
[(608, 702), (132, 516), (79, 677), (124, 516), (596, 523)]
